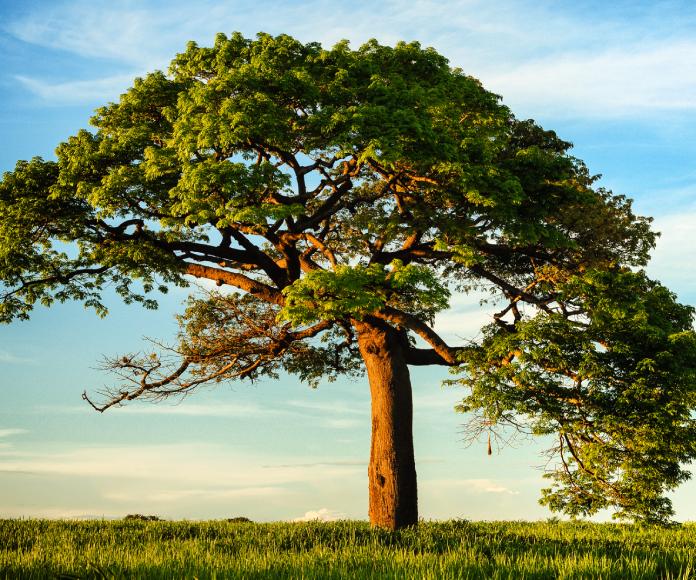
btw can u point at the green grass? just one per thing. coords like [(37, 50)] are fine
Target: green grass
[(457, 549)]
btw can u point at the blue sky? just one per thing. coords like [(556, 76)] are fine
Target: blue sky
[(618, 81)]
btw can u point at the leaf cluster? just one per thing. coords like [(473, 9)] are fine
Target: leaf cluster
[(352, 292)]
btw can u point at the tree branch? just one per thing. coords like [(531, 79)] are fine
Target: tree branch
[(446, 352), (254, 287), (427, 357)]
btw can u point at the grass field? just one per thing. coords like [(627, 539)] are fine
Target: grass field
[(457, 549)]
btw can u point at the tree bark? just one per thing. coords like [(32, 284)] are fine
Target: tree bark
[(392, 470)]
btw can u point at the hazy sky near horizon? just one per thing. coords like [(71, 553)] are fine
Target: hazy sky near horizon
[(617, 79)]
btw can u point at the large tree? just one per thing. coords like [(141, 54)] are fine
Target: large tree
[(342, 195)]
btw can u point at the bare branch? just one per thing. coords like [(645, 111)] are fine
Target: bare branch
[(223, 338), (316, 242)]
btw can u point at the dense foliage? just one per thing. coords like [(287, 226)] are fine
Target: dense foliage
[(612, 380), (336, 190)]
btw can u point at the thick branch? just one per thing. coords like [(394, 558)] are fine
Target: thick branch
[(426, 357), (328, 208), (316, 242), (258, 289), (250, 255), (261, 258), (411, 252), (411, 322)]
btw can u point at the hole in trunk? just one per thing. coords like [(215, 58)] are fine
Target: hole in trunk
[(381, 480)]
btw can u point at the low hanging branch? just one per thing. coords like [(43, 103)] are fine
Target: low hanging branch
[(223, 338)]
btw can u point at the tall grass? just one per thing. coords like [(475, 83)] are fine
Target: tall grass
[(456, 549)]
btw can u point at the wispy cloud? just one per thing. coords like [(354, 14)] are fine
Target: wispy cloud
[(618, 82), (183, 479), (122, 32), (11, 432), (675, 253), (202, 465), (438, 399), (541, 59), (464, 319), (9, 358), (325, 414), (337, 407), (347, 463), (343, 423), (56, 512), (473, 486), (188, 408), (99, 90), (202, 494)]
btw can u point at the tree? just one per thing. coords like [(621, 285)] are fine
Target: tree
[(343, 195)]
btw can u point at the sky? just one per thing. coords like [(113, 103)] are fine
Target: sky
[(617, 79)]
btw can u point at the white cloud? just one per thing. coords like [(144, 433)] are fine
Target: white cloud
[(11, 432), (55, 512), (542, 59), (196, 466), (9, 358), (321, 515), (99, 90), (471, 486), (186, 408), (342, 463), (203, 494), (337, 407), (344, 423), (295, 410), (675, 254), (120, 32), (185, 480), (617, 82), (441, 399), (457, 324)]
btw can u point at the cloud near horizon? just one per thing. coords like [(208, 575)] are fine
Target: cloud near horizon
[(321, 515), (11, 432), (202, 494), (474, 486), (10, 358), (185, 463)]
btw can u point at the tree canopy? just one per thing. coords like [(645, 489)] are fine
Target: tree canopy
[(334, 190)]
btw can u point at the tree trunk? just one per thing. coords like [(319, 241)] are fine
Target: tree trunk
[(392, 469)]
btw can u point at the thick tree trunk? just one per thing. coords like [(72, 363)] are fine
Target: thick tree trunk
[(392, 469)]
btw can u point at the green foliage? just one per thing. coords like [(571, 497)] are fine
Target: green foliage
[(38, 262), (615, 383), (355, 291), (349, 549), (197, 150)]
